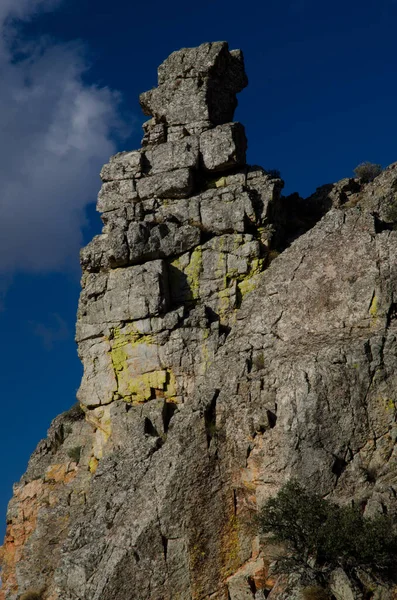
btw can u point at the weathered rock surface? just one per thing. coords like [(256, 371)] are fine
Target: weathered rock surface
[(197, 88), (231, 338)]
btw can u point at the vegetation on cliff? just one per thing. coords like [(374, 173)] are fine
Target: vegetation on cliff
[(321, 536)]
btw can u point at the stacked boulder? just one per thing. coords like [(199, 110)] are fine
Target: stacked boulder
[(186, 229)]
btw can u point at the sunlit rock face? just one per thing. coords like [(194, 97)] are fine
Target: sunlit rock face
[(231, 338)]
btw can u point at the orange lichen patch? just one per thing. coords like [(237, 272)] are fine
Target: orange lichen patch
[(252, 574), (269, 583), (253, 568), (29, 491), (27, 501), (253, 473), (64, 473), (278, 585), (261, 579)]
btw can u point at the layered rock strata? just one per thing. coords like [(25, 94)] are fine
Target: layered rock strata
[(220, 357)]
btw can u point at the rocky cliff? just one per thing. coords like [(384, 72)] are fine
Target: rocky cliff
[(231, 338)]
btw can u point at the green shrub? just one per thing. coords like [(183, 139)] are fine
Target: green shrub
[(75, 413), (75, 454), (367, 171), (320, 533), (67, 430), (295, 518), (390, 211)]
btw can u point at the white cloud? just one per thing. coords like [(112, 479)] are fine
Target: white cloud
[(55, 135), (24, 9)]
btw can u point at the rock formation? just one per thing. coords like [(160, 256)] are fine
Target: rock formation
[(231, 338)]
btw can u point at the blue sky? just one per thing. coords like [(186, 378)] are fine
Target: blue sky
[(321, 99)]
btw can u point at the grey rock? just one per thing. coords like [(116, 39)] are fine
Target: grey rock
[(147, 242), (116, 194), (341, 586), (226, 209), (94, 255), (125, 297), (197, 84), (154, 133), (124, 165), (179, 132), (223, 147), (204, 61), (266, 191), (214, 272), (106, 251), (334, 195), (126, 294), (176, 184), (142, 241), (173, 155)]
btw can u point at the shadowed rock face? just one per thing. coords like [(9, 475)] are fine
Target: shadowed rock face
[(230, 338)]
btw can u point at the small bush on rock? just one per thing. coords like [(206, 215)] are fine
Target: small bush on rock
[(390, 211), (367, 171), (75, 454), (75, 413), (321, 535)]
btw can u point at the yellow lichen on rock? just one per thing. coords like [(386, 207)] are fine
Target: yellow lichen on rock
[(230, 547), (193, 272), (226, 304), (249, 282), (100, 419), (93, 464), (144, 387), (221, 182), (373, 309)]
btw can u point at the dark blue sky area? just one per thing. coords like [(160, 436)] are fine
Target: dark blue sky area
[(321, 99), (322, 88)]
